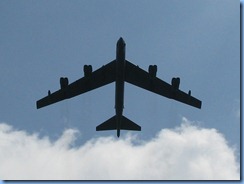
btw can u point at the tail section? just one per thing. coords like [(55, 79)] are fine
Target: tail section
[(118, 123), (129, 125), (110, 124)]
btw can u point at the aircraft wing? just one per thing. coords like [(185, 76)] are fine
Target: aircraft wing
[(145, 80), (92, 80)]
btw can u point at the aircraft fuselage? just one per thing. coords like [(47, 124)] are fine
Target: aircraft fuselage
[(119, 83)]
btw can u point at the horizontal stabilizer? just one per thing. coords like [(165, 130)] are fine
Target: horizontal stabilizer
[(110, 124), (129, 125)]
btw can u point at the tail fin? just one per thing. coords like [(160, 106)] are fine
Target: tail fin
[(127, 124), (111, 124)]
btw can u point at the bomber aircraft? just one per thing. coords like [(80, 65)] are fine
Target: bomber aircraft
[(119, 71)]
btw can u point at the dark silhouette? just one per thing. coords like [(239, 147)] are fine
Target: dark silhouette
[(119, 71)]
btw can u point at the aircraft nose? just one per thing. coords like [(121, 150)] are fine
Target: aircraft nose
[(121, 41)]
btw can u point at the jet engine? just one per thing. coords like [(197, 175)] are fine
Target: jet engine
[(87, 70), (175, 82), (64, 82), (152, 69)]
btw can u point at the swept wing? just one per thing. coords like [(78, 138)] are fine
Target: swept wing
[(91, 80), (143, 79)]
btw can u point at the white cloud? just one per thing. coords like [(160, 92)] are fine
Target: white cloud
[(184, 153)]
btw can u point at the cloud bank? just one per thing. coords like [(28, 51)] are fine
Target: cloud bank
[(186, 152)]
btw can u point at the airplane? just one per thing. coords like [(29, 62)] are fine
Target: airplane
[(119, 71)]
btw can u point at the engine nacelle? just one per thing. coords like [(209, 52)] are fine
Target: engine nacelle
[(87, 70), (152, 70), (64, 82), (175, 82)]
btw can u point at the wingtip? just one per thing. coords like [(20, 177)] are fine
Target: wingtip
[(198, 104), (37, 105)]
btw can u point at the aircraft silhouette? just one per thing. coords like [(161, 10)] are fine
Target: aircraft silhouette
[(119, 71)]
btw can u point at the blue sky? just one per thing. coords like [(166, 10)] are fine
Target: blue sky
[(41, 41)]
